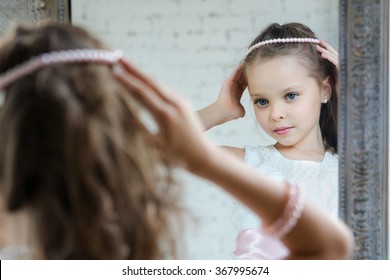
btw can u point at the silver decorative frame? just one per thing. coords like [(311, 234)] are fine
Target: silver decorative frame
[(363, 124), (33, 11), (41, 10)]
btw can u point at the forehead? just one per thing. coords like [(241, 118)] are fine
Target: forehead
[(276, 72)]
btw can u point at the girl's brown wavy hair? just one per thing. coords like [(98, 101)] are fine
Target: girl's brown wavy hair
[(76, 157)]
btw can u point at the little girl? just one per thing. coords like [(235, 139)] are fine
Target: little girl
[(291, 77)]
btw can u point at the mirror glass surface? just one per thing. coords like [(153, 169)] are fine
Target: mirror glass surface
[(192, 46)]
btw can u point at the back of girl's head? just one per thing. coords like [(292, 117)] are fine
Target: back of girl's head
[(76, 158), (309, 57)]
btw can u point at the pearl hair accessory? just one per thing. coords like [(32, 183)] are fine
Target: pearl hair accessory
[(58, 57), (291, 213), (283, 41)]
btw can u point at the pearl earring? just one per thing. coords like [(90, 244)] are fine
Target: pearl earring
[(324, 101)]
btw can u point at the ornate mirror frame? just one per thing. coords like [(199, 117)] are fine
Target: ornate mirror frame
[(58, 10), (33, 11), (363, 124)]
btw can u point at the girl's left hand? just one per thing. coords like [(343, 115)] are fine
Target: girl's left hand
[(329, 53)]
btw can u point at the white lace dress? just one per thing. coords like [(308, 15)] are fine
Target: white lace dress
[(317, 180)]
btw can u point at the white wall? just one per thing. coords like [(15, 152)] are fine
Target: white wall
[(192, 46)]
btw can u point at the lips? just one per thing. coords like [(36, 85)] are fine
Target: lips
[(282, 130)]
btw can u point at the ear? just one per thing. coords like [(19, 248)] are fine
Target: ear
[(326, 89)]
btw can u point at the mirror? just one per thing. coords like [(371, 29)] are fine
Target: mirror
[(192, 46)]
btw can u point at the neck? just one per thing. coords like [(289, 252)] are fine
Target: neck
[(296, 153)]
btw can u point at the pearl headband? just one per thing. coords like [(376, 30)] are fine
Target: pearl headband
[(283, 41), (58, 57)]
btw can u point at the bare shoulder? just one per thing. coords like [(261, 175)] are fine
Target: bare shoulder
[(238, 152)]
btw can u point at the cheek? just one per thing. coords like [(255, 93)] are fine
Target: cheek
[(309, 115), (308, 107), (261, 117), (301, 111)]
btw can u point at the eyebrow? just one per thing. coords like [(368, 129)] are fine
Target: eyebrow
[(285, 90)]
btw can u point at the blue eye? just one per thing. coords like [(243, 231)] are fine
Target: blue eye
[(261, 102), (291, 96)]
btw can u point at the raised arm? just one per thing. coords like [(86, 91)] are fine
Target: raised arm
[(315, 235), (227, 107)]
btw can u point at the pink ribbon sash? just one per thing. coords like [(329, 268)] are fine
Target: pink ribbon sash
[(254, 244)]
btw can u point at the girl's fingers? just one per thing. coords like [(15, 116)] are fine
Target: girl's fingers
[(332, 56), (328, 47), (329, 53), (136, 72), (237, 71), (143, 92), (236, 77), (329, 56), (325, 50)]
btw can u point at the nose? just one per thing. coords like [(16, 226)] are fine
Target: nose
[(277, 112)]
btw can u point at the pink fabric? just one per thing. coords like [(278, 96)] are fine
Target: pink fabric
[(254, 244)]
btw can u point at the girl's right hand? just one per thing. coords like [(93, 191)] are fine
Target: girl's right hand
[(231, 93), (228, 106), (180, 132)]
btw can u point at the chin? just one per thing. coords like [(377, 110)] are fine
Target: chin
[(286, 142)]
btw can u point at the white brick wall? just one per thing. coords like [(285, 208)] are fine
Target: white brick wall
[(192, 46)]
